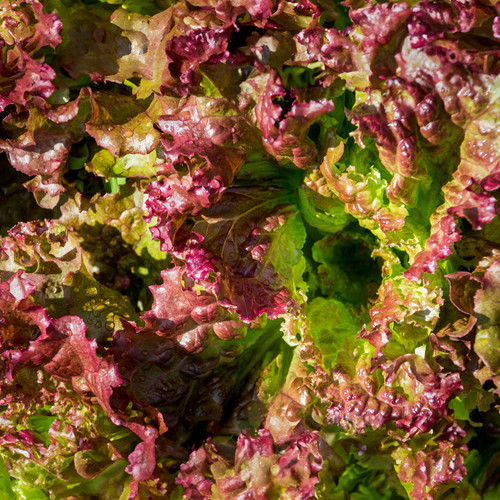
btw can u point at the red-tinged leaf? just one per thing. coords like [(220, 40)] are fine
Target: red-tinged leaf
[(284, 419), (121, 124), (454, 340), (193, 473), (101, 376), (486, 311), (172, 198), (179, 40), (42, 148), (45, 191), (47, 29), (45, 157), (204, 135), (338, 53), (233, 243), (36, 80), (286, 138), (412, 395), (438, 246), (46, 254), (257, 469), (463, 286), (266, 112), (379, 24), (26, 30), (208, 127), (160, 375), (21, 318), (187, 315), (426, 469), (401, 301), (142, 459), (301, 463), (193, 48), (254, 237), (65, 352)]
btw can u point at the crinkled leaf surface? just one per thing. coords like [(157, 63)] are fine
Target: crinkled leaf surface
[(249, 249)]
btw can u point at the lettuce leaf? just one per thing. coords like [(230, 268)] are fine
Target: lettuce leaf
[(249, 249)]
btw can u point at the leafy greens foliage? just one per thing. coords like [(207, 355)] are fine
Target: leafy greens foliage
[(249, 249)]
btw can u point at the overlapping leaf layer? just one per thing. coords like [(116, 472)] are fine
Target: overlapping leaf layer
[(250, 249)]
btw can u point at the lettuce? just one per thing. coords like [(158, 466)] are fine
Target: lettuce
[(249, 249)]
